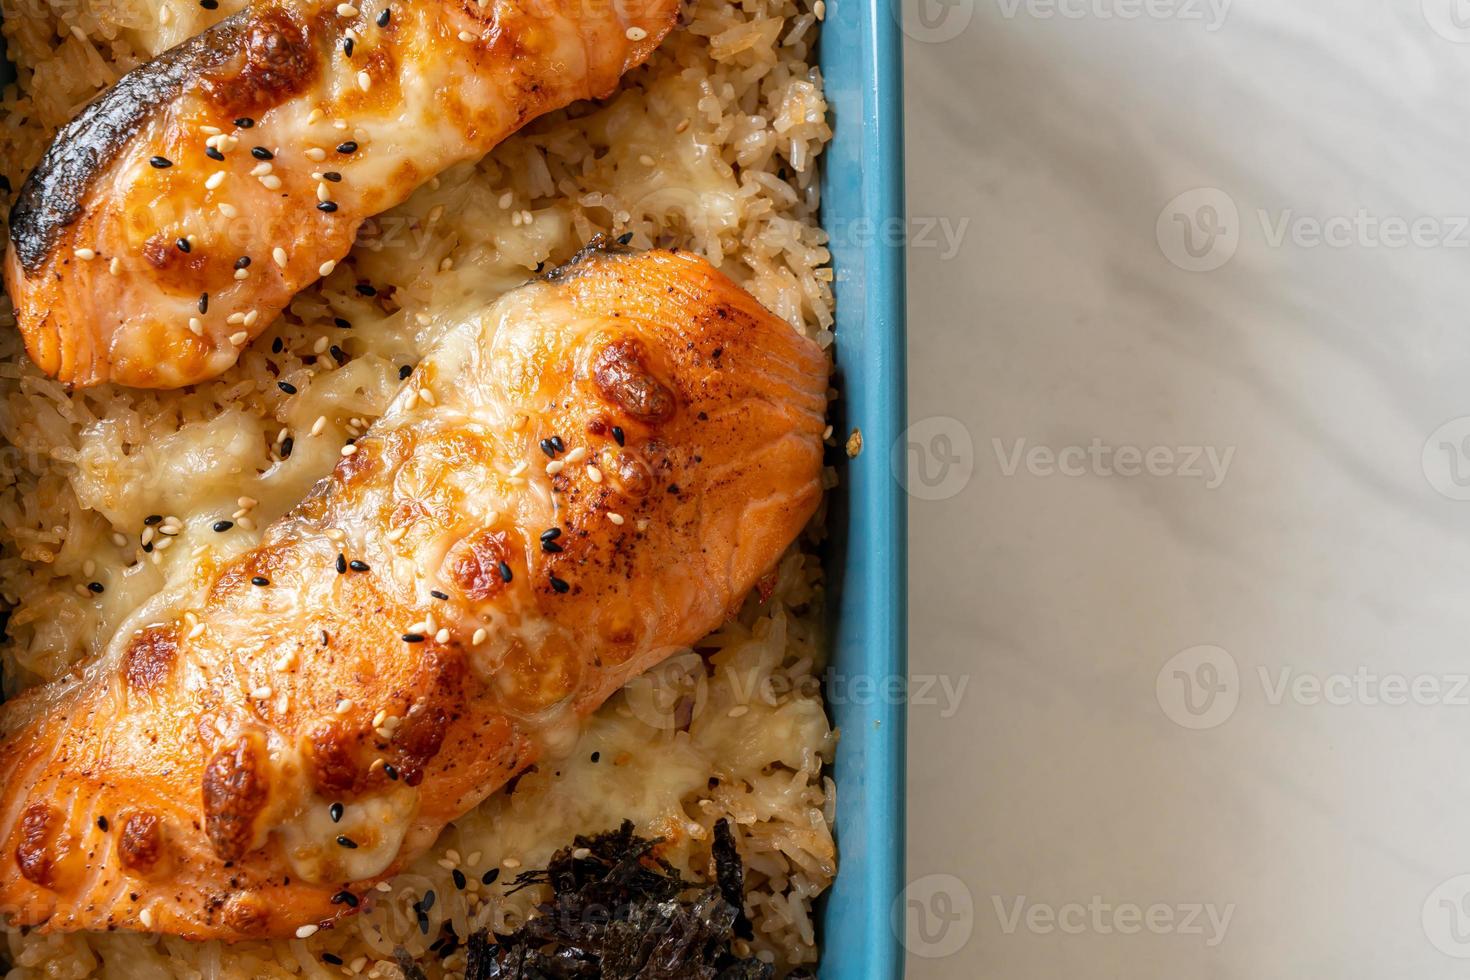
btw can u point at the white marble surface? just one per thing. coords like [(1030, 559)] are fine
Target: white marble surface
[(1321, 824)]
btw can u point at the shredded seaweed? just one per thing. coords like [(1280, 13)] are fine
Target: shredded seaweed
[(620, 912)]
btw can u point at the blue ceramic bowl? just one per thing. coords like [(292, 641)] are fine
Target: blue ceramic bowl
[(862, 201)]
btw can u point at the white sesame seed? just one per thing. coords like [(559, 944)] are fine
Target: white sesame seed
[(210, 130), (114, 265), (85, 254), (442, 636), (349, 449), (466, 37), (279, 255), (427, 396), (214, 180), (261, 692), (235, 317), (226, 143), (738, 711), (230, 211), (382, 886), (239, 337), (262, 168), (581, 853), (346, 10), (554, 467), (323, 192), (320, 347), (325, 269), (504, 201), (165, 16), (635, 33), (319, 425), (594, 474), (380, 717), (344, 706), (251, 317), (120, 540), (820, 9), (577, 455), (242, 274), (316, 153), (511, 863), (336, 534), (364, 81), (246, 524), (195, 327), (315, 116), (147, 535), (435, 213), (616, 518), (479, 637), (646, 160), (306, 931), (271, 182), (146, 916), (247, 502)]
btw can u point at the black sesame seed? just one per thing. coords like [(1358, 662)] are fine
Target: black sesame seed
[(347, 842), (459, 879), (596, 756), (550, 547), (504, 572), (209, 4), (102, 824), (391, 771), (148, 548), (287, 444), (345, 898), (332, 175), (548, 448), (404, 370), (261, 153), (203, 302), (349, 146), (347, 47), (618, 436), (95, 587), (326, 207), (424, 922), (260, 580), (358, 565), (341, 564), (153, 519), (277, 345), (437, 594), (384, 15), (213, 154), (335, 811), (560, 586), (428, 901), (413, 637), (540, 266), (243, 262), (338, 354), (161, 163), (332, 959), (560, 446), (220, 527), (625, 238), (182, 244), (287, 387), (366, 289), (551, 534), (342, 323), (488, 878), (244, 122)]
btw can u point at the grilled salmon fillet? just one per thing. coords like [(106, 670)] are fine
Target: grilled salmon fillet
[(577, 481), (169, 223)]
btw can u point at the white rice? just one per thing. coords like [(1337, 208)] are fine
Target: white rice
[(712, 146)]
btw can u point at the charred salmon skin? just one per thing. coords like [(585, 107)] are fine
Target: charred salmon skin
[(584, 477), (168, 224)]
